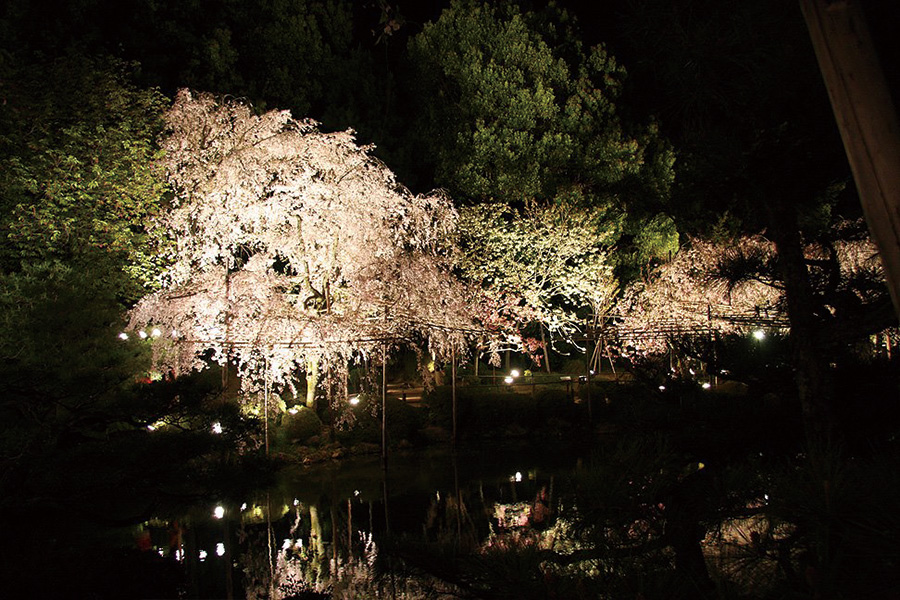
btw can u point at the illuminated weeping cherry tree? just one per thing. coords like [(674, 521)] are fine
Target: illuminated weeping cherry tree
[(731, 288), (293, 250)]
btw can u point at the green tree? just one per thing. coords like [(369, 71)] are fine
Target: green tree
[(514, 108), (77, 185), (521, 122), (76, 191)]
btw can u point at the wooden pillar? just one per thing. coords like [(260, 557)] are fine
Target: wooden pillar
[(866, 117), (384, 403), (453, 387)]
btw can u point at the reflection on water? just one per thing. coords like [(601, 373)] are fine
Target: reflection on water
[(354, 530)]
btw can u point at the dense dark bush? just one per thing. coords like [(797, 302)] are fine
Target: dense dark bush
[(403, 422), (495, 411), (300, 426)]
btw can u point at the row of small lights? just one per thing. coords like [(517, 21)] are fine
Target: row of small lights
[(154, 333)]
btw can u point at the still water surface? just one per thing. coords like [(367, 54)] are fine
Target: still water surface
[(330, 530)]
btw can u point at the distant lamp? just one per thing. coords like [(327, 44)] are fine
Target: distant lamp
[(514, 373), (217, 427), (219, 512), (354, 400), (142, 334), (156, 332), (759, 334), (123, 336), (706, 385)]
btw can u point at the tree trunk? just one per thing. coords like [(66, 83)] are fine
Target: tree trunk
[(810, 365), (546, 351), (312, 380), (866, 117)]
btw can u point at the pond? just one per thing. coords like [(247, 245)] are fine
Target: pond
[(335, 529), (627, 518)]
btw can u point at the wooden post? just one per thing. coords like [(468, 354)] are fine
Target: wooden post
[(588, 355), (866, 117), (453, 387), (384, 403)]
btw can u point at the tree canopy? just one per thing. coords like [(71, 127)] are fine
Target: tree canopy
[(292, 245), (521, 124), (77, 144)]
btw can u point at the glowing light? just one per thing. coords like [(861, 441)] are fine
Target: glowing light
[(123, 336), (151, 428), (179, 555), (356, 492), (160, 552), (217, 427), (296, 502), (706, 385), (508, 380), (662, 388), (759, 334), (354, 400), (287, 544), (203, 555), (243, 507), (142, 334), (294, 410), (514, 373), (518, 476), (156, 332), (219, 512), (220, 549)]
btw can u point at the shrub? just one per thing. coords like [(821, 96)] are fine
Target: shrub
[(301, 426), (403, 422), (488, 410)]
